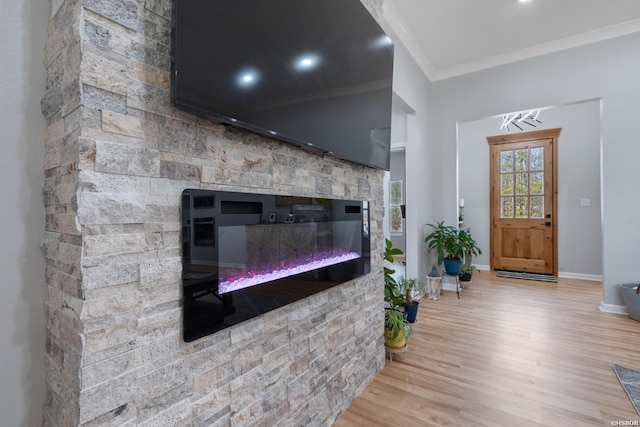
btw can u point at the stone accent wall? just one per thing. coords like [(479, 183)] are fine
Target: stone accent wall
[(117, 159)]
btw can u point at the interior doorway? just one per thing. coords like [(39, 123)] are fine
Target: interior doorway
[(579, 205), (397, 201)]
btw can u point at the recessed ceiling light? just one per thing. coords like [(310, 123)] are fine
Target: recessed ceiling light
[(306, 62), (247, 78), (384, 41)]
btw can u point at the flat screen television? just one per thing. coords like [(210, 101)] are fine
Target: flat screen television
[(316, 74)]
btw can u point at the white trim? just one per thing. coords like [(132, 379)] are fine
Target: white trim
[(399, 27), (398, 147), (539, 50), (393, 20), (613, 308), (580, 276)]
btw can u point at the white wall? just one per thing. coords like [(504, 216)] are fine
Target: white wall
[(608, 70), (22, 323), (579, 229), (411, 88)]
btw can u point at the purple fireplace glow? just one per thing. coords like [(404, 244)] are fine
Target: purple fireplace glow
[(235, 280), (246, 254)]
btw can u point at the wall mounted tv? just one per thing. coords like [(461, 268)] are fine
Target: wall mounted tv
[(316, 74)]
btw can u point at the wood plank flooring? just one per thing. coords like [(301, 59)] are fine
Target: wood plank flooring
[(510, 352)]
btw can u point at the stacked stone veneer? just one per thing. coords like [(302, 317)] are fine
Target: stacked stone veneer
[(118, 157)]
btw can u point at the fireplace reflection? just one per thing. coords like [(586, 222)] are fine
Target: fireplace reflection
[(261, 252)]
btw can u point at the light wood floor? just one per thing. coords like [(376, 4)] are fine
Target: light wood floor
[(510, 352)]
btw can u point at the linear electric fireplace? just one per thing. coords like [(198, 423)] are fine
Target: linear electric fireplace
[(245, 254)]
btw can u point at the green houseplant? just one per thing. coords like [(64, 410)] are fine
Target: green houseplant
[(466, 272), (451, 244), (389, 253), (396, 328), (410, 292), (392, 293)]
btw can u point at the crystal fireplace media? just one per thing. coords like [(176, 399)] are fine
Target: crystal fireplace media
[(245, 254)]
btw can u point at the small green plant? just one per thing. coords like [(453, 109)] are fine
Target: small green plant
[(468, 269), (468, 245), (392, 294), (450, 242), (395, 324), (389, 253), (411, 290)]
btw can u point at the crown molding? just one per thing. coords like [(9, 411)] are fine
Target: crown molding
[(401, 31), (539, 50), (399, 28)]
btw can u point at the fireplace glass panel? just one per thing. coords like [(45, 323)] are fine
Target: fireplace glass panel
[(265, 252)]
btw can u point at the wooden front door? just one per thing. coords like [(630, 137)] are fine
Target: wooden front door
[(524, 227)]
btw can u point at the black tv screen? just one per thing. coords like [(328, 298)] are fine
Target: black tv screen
[(313, 73)]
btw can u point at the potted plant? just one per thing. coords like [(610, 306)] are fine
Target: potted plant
[(466, 272), (410, 292), (389, 253), (451, 245), (392, 294), (396, 328)]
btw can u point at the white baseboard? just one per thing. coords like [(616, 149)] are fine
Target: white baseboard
[(613, 308), (580, 276)]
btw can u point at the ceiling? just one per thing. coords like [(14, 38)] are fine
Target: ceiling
[(453, 37)]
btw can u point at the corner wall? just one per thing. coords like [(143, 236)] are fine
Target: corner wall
[(411, 93), (117, 159)]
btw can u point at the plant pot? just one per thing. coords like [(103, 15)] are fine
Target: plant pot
[(453, 266), (399, 342), (412, 312), (465, 277), (631, 299)]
